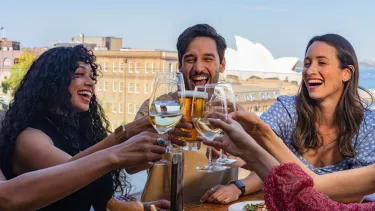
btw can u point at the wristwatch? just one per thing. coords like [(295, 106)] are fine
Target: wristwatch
[(120, 133), (239, 185)]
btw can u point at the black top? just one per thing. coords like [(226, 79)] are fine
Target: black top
[(60, 132)]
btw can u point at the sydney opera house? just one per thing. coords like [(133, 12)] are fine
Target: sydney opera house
[(253, 60)]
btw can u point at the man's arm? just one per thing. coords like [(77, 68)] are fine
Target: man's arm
[(225, 194)]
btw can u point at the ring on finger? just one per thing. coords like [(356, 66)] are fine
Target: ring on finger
[(161, 141)]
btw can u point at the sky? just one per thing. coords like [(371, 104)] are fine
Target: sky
[(283, 26)]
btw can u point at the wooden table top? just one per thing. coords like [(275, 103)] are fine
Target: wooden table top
[(220, 207)]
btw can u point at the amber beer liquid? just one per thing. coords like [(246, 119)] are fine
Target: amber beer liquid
[(191, 143)]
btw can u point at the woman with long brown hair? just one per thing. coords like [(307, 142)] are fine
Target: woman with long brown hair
[(326, 125)]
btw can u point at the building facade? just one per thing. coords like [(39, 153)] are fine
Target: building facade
[(104, 43), (127, 80), (9, 54)]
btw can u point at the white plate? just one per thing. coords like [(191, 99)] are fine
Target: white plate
[(239, 206)]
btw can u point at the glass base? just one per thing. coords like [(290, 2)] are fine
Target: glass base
[(192, 146), (160, 163), (225, 161), (211, 168)]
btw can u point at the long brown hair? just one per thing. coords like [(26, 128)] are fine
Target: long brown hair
[(349, 112)]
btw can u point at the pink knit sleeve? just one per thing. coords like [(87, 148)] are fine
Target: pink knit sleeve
[(288, 187)]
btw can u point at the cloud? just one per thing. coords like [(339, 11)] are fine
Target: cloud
[(265, 8)]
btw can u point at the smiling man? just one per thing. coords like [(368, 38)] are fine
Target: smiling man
[(201, 55), (201, 60)]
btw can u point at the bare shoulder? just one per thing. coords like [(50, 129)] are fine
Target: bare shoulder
[(35, 150), (32, 135)]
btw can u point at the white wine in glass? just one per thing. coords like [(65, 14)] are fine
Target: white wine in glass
[(214, 104), (165, 106)]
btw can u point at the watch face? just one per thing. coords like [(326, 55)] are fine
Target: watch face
[(240, 184)]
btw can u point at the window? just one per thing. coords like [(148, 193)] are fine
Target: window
[(153, 68), (170, 67), (275, 93), (105, 66), (261, 95), (130, 67), (114, 87), (246, 97), (120, 108), (136, 108), (114, 108), (7, 62), (146, 88), (130, 87), (105, 86), (146, 67), (236, 98), (136, 67), (268, 95), (130, 108), (99, 85), (252, 96), (136, 88), (121, 70), (121, 86), (115, 66)]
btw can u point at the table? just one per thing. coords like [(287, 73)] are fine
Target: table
[(219, 207)]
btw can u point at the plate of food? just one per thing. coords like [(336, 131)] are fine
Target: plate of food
[(248, 206)]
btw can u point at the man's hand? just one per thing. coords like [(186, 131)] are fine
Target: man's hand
[(161, 205), (223, 194), (177, 132)]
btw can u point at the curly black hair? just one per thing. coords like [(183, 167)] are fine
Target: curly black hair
[(45, 87)]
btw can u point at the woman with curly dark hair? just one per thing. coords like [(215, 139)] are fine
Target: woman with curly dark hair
[(55, 118)]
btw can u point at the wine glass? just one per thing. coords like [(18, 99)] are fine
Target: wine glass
[(207, 100), (165, 108), (231, 107)]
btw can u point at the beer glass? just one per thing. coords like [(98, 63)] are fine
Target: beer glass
[(191, 143)]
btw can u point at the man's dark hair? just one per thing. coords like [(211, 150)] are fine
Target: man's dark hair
[(200, 30)]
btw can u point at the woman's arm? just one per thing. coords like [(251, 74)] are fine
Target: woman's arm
[(344, 186), (35, 150), (36, 189)]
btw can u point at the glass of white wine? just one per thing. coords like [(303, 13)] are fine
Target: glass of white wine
[(214, 104), (165, 106), (231, 107)]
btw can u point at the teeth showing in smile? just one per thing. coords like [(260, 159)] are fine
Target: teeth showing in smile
[(315, 82), (85, 93), (199, 78)]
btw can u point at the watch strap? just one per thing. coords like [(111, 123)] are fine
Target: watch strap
[(240, 186)]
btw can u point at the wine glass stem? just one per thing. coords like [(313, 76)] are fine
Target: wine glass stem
[(222, 155), (209, 156)]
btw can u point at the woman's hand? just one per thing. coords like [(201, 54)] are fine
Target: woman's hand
[(138, 126), (235, 141), (138, 150), (252, 124)]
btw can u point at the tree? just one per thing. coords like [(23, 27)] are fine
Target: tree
[(18, 71)]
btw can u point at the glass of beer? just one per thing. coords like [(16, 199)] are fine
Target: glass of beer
[(191, 143)]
